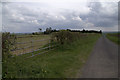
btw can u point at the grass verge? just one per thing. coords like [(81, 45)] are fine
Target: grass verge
[(62, 62), (114, 37)]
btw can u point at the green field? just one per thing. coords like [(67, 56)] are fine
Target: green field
[(114, 37), (62, 62)]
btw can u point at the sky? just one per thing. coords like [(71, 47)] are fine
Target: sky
[(24, 17)]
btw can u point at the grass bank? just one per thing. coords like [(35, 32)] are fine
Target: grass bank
[(114, 37), (62, 62)]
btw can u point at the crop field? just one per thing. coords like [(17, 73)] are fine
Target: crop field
[(27, 43), (115, 37)]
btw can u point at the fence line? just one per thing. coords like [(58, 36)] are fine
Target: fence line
[(38, 50), (38, 54), (32, 50), (25, 47), (32, 41), (28, 42), (27, 36)]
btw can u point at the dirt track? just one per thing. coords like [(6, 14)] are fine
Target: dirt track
[(103, 61)]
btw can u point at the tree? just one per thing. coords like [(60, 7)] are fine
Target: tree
[(83, 30), (40, 29), (100, 31), (48, 30)]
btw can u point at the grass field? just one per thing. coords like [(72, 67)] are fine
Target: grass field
[(115, 37), (62, 62), (32, 46)]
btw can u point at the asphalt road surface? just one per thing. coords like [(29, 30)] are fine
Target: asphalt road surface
[(103, 61)]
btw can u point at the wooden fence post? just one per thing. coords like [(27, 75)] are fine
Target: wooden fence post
[(49, 44), (32, 47)]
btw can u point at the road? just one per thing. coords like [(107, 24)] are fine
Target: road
[(103, 61)]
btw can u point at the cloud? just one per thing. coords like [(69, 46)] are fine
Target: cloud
[(28, 17), (102, 14), (77, 18)]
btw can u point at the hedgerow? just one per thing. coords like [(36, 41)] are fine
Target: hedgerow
[(8, 41), (65, 36)]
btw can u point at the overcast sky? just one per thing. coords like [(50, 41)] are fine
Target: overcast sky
[(29, 16)]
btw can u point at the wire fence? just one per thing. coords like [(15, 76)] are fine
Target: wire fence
[(33, 46)]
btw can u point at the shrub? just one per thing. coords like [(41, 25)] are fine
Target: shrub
[(36, 33), (48, 30), (65, 36), (8, 41)]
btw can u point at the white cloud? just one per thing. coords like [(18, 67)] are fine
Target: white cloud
[(63, 17), (35, 21), (21, 18), (77, 18), (17, 17)]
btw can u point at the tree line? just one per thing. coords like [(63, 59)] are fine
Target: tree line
[(50, 30)]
